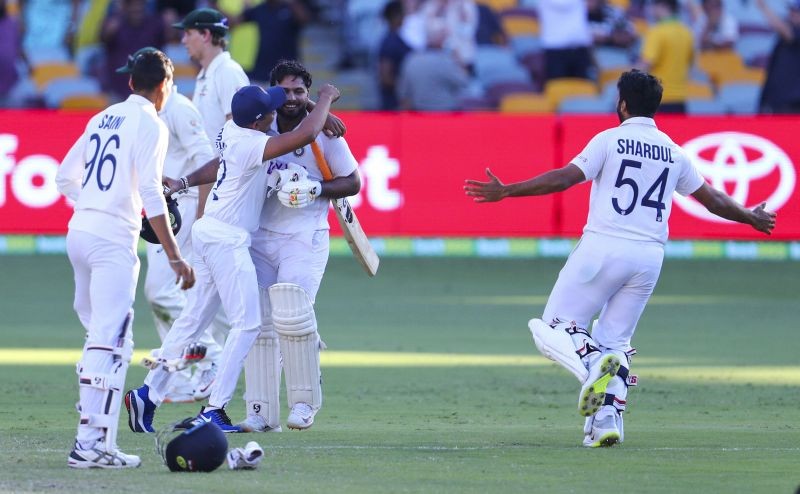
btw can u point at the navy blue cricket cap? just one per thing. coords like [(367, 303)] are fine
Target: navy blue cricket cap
[(252, 103), (128, 67), (210, 19)]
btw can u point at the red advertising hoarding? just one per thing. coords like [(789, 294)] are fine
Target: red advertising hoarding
[(413, 168), (754, 159)]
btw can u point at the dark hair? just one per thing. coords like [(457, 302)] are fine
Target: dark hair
[(392, 10), (286, 68), (150, 69), (641, 93), (218, 39), (672, 5)]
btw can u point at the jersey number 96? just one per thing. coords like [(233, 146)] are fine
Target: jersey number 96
[(100, 162)]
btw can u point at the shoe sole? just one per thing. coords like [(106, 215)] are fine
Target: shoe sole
[(593, 394), (247, 429), (300, 427), (86, 465), (89, 465), (179, 400), (606, 440), (132, 406)]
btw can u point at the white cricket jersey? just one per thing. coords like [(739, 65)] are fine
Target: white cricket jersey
[(635, 168), (189, 146), (278, 218), (114, 169), (216, 85), (241, 187)]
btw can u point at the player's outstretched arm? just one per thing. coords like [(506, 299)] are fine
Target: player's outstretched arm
[(308, 129), (546, 183), (206, 174), (181, 268), (724, 206)]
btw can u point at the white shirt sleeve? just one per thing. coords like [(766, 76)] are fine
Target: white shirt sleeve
[(340, 160), (148, 158), (593, 157), (188, 124), (690, 179), (70, 173)]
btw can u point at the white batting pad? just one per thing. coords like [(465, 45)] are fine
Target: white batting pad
[(101, 381), (296, 325), (557, 345), (262, 369)]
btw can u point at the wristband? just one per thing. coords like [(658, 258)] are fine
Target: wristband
[(184, 183), (176, 261)]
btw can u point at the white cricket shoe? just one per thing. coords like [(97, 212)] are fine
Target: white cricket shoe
[(181, 390), (203, 379), (604, 432), (99, 458), (301, 417), (593, 391), (256, 423)]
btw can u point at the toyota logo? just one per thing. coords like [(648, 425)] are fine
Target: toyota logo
[(722, 158)]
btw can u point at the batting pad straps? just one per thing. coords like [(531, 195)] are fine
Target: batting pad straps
[(294, 321)]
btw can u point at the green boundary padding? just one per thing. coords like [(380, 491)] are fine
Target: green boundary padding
[(529, 248)]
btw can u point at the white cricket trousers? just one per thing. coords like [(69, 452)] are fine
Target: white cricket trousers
[(225, 276), (610, 275), (166, 297), (105, 285), (298, 258)]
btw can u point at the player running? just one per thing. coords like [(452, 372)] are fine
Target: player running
[(221, 238), (634, 168), (112, 171)]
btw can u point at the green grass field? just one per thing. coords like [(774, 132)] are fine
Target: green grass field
[(432, 384)]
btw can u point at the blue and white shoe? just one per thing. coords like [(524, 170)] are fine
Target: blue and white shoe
[(219, 417), (140, 409)]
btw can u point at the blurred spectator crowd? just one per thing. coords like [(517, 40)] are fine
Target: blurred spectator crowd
[(713, 56)]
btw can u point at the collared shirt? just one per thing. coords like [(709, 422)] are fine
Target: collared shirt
[(189, 146), (634, 169), (114, 169), (278, 218), (216, 85)]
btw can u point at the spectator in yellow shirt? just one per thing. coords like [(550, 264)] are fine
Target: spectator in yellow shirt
[(668, 53)]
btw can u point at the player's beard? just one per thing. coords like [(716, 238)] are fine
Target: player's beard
[(619, 112), (294, 113)]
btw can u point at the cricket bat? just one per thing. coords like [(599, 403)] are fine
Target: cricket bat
[(353, 233)]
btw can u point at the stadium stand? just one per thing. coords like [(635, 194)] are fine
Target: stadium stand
[(511, 71), (556, 90)]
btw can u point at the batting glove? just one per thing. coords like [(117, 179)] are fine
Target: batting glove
[(246, 458), (299, 194)]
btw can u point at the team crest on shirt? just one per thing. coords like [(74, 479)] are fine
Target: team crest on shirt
[(299, 152)]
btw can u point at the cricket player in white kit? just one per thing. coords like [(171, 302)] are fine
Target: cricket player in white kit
[(221, 238), (111, 172), (220, 76), (189, 148), (290, 249), (634, 168)]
